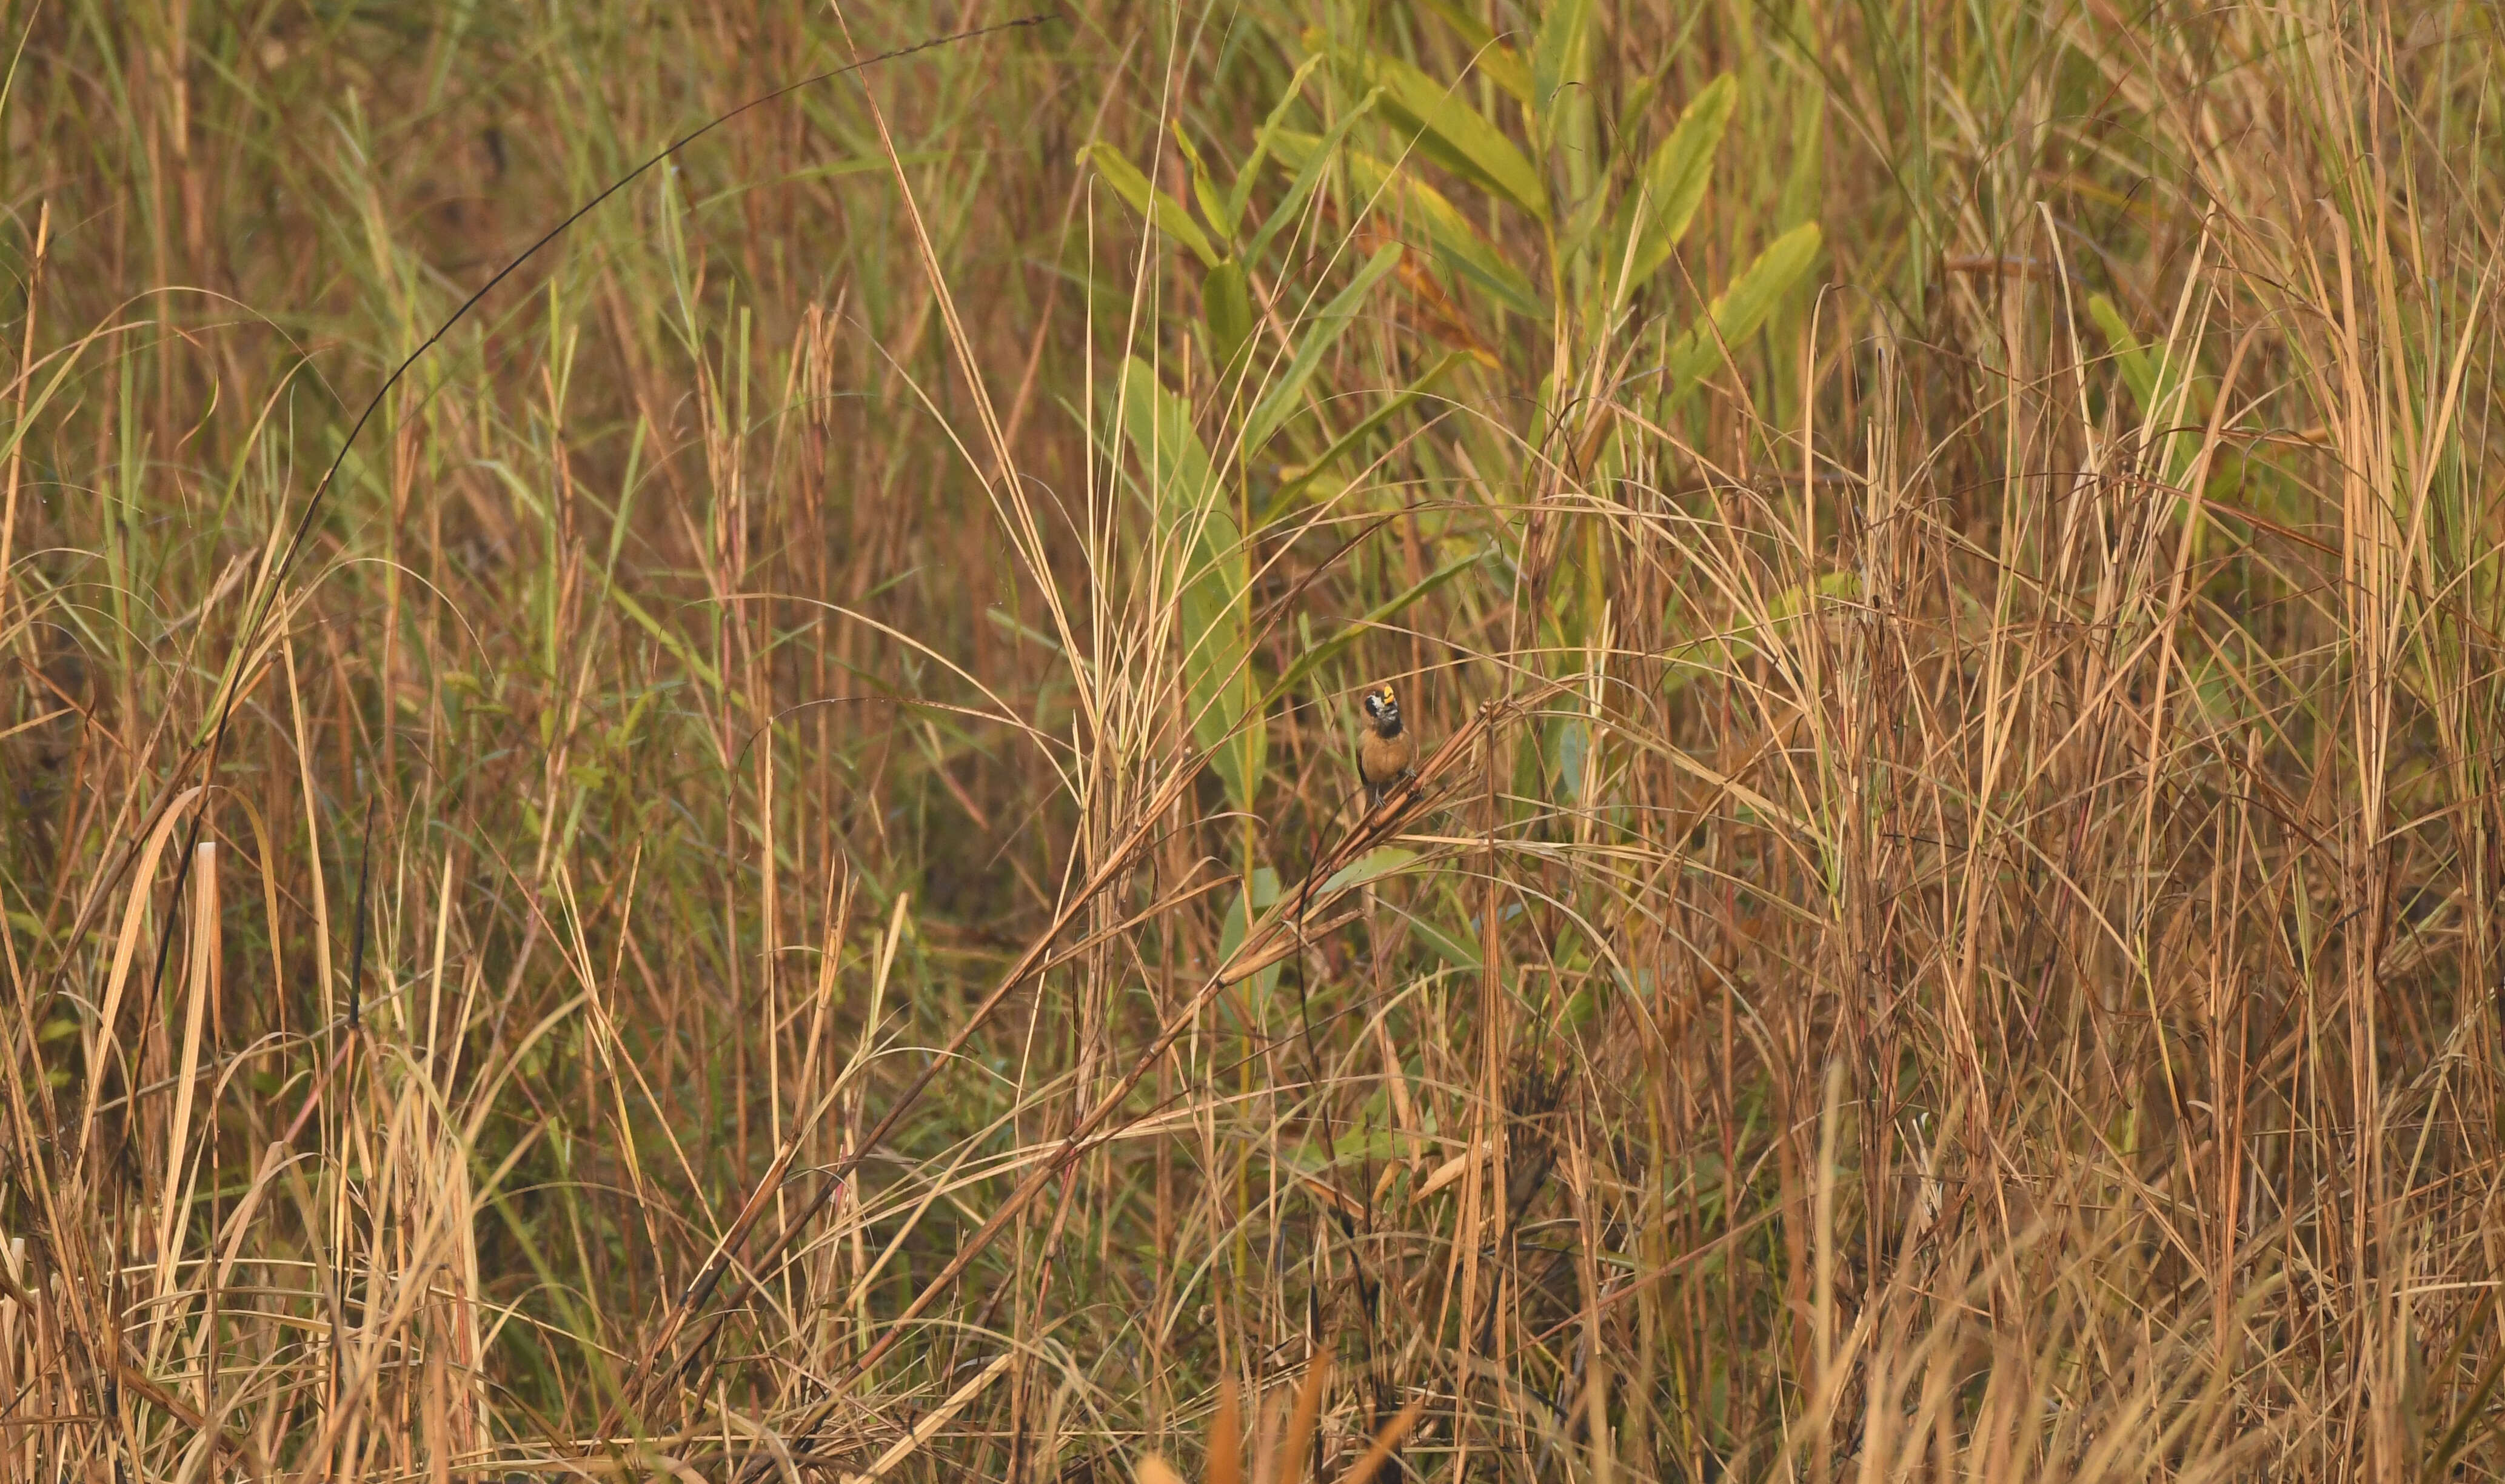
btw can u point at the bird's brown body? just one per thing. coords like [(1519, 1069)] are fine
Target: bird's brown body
[(1389, 751)]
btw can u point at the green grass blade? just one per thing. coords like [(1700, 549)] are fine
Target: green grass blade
[(1149, 201), (1741, 309), (1281, 401)]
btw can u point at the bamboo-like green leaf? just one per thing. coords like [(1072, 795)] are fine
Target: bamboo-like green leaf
[(2129, 358), (1585, 228), (1557, 57), (1182, 479), (1318, 656), (1638, 101), (1216, 616), (1804, 184), (1240, 194), (1675, 177), (1204, 191), (1295, 484), (1738, 310), (1451, 133), (1306, 157), (1455, 949), (2157, 379), (1502, 63), (1240, 917), (1456, 244), (1312, 346), (1373, 866), (1227, 307), (1149, 201)]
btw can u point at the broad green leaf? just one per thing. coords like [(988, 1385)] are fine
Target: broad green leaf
[(1240, 747), (2137, 373), (1638, 101), (1295, 484), (1315, 343), (1800, 597), (1741, 309), (1150, 201), (1502, 63), (1318, 656), (1374, 1149), (1451, 133), (1240, 194), (1204, 191), (1373, 866), (1557, 57), (1804, 182), (1307, 157), (1405, 200), (1220, 686), (1226, 304), (1571, 744), (1675, 177), (1181, 481), (1240, 916), (2156, 378), (1594, 239), (1457, 243), (1459, 952)]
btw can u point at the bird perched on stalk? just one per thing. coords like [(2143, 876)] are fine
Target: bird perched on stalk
[(1388, 752)]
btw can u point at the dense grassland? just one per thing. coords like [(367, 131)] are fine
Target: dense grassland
[(763, 877)]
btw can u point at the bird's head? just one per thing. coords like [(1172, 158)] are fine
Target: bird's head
[(1383, 709)]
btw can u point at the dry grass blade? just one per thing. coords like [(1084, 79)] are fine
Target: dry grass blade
[(930, 1422), (1227, 1435), (1386, 1443), (1967, 948), (1300, 916), (726, 1251), (1296, 1448)]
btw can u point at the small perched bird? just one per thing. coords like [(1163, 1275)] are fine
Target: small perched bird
[(1389, 751)]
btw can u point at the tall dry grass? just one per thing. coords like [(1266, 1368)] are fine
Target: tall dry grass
[(779, 892)]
